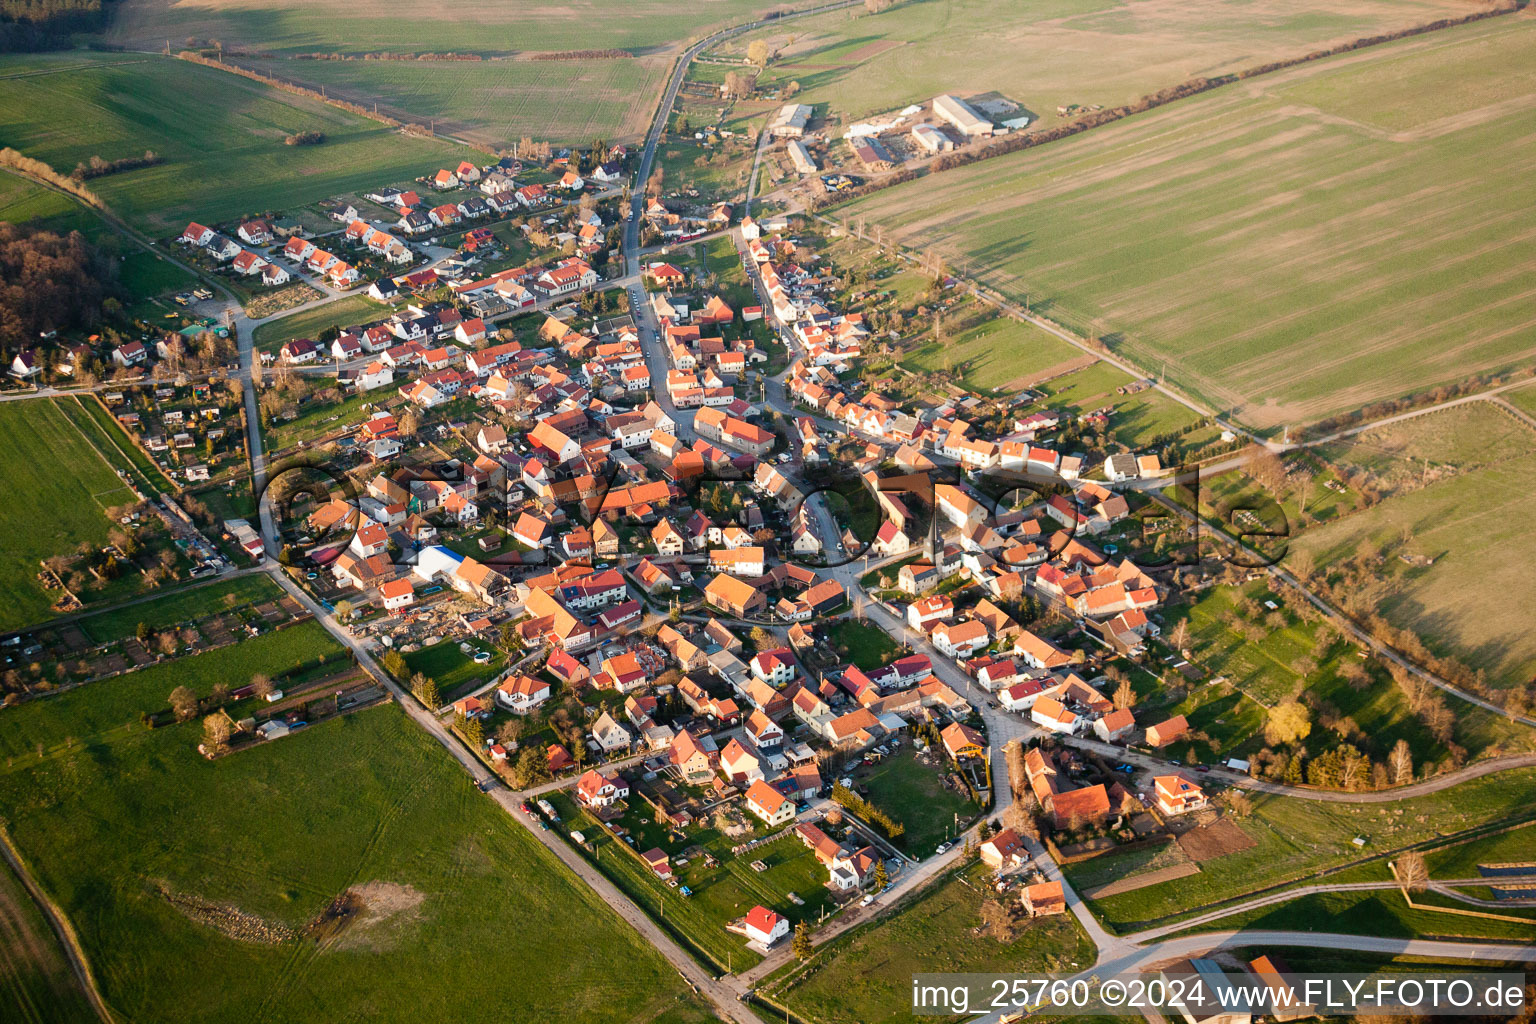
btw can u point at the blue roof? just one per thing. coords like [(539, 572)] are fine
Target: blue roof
[(446, 552)]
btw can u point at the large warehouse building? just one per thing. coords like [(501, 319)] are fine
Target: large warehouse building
[(959, 113), (790, 121), (801, 157)]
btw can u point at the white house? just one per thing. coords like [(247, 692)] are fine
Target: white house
[(765, 927)]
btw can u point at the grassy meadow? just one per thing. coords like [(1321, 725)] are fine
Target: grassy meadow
[(195, 885), (179, 606), (1047, 56), (996, 355), (220, 137), (59, 483), (499, 102), (1287, 260)]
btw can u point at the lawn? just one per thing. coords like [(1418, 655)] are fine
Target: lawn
[(1295, 839), (1274, 258), (197, 887), (348, 311), (220, 137), (913, 794), (865, 976), (998, 355), (60, 484), (496, 103), (867, 646), (719, 894), (180, 606), (914, 51), (23, 201), (455, 672), (36, 985)]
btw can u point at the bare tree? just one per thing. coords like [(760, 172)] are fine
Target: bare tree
[(1412, 873), (216, 731), (1400, 763)]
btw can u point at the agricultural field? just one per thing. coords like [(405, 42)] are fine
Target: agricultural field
[(220, 137), (859, 65), (1295, 839), (1433, 446), (36, 984), (1282, 260), (865, 976), (49, 463), (495, 103), (302, 877), (23, 201), (476, 26), (1523, 399)]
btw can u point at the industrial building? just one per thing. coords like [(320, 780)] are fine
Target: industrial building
[(871, 153), (790, 121), (801, 157), (959, 113), (931, 139)]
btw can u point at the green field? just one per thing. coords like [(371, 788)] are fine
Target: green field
[(993, 356), (220, 135), (161, 858), (180, 606), (1472, 601), (1295, 839), (498, 102), (476, 26), (1278, 258), (109, 436), (348, 311), (59, 485), (865, 977), (23, 201), (920, 48)]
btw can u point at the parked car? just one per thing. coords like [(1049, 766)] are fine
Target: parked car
[(943, 849), (867, 900)]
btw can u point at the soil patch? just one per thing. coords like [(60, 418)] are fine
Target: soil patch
[(357, 917), (1217, 839)]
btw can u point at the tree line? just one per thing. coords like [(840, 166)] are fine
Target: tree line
[(50, 282), (29, 25)]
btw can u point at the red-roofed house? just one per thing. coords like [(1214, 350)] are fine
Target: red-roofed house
[(764, 926)]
